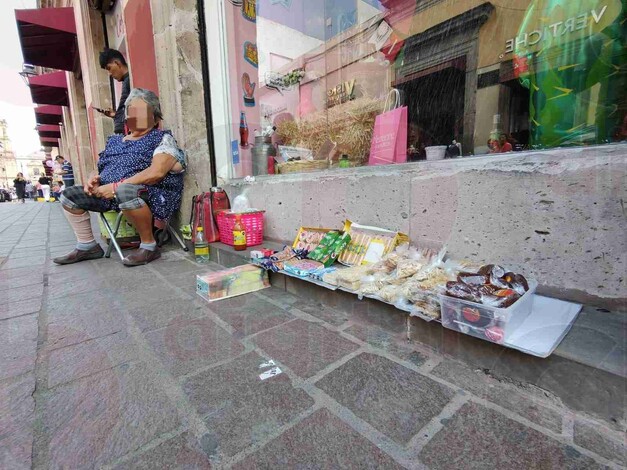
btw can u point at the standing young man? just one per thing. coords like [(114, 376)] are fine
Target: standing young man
[(113, 62), (68, 172)]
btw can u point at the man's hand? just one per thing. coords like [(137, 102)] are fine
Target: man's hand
[(107, 112), (104, 192), (92, 184)]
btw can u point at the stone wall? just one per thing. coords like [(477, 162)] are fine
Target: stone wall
[(177, 49), (91, 41), (556, 215), (78, 135)]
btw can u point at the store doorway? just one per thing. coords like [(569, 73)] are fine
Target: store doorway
[(435, 108), (514, 104)]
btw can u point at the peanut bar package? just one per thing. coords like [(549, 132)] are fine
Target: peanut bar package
[(369, 244)]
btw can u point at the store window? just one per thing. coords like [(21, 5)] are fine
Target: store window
[(308, 85)]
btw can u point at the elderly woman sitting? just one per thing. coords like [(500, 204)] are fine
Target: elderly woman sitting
[(140, 174)]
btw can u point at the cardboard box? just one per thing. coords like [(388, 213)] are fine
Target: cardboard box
[(308, 238), (231, 282), (369, 244)]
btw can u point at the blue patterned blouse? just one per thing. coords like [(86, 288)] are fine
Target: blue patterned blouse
[(122, 159)]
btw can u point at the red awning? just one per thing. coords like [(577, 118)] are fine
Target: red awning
[(49, 88), (48, 128), (48, 37), (49, 131), (48, 114), (50, 135), (49, 142)]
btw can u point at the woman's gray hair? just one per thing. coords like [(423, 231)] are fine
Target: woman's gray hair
[(147, 97)]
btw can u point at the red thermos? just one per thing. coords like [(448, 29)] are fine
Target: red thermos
[(219, 201)]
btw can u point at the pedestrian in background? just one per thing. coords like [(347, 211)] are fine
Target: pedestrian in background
[(56, 190), (19, 184), (504, 144), (30, 190), (57, 170), (48, 166), (44, 184), (66, 173), (113, 62)]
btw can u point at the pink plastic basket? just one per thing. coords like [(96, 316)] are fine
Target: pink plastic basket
[(253, 224)]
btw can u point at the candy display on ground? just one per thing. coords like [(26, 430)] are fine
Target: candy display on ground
[(490, 302)]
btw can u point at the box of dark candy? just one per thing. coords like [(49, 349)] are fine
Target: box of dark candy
[(489, 304)]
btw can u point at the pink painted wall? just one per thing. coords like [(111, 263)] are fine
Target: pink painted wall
[(140, 44)]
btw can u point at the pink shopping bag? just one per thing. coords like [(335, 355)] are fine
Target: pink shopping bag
[(389, 139)]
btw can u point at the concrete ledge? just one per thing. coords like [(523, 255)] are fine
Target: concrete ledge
[(587, 371), (556, 215)]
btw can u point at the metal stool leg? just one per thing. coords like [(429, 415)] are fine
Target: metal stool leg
[(177, 237), (113, 233)]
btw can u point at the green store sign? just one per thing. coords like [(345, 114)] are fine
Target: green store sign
[(572, 56)]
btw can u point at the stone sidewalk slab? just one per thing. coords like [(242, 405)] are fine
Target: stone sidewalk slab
[(18, 345), (507, 397), (23, 281), (17, 408), (610, 444), (86, 358), (164, 314), (393, 343), (7, 275), (27, 262), (239, 408), (248, 314), (479, 438), (391, 398), (186, 346), (328, 314), (305, 347), (81, 322), (182, 451), (98, 419), (319, 441), (20, 294), (21, 308)]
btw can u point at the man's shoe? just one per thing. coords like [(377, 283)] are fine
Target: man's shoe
[(80, 255), (140, 257)]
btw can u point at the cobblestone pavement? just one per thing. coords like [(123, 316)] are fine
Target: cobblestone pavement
[(108, 367)]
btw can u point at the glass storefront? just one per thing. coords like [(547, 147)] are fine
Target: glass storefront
[(307, 85)]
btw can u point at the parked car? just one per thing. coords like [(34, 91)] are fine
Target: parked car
[(5, 195)]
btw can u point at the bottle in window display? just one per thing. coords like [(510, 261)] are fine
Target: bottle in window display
[(243, 130)]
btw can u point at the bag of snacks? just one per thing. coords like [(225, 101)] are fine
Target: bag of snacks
[(371, 284), (350, 278)]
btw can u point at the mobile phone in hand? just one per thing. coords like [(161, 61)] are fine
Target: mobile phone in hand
[(100, 110)]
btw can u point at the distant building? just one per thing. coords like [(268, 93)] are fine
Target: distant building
[(8, 163), (32, 165)]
